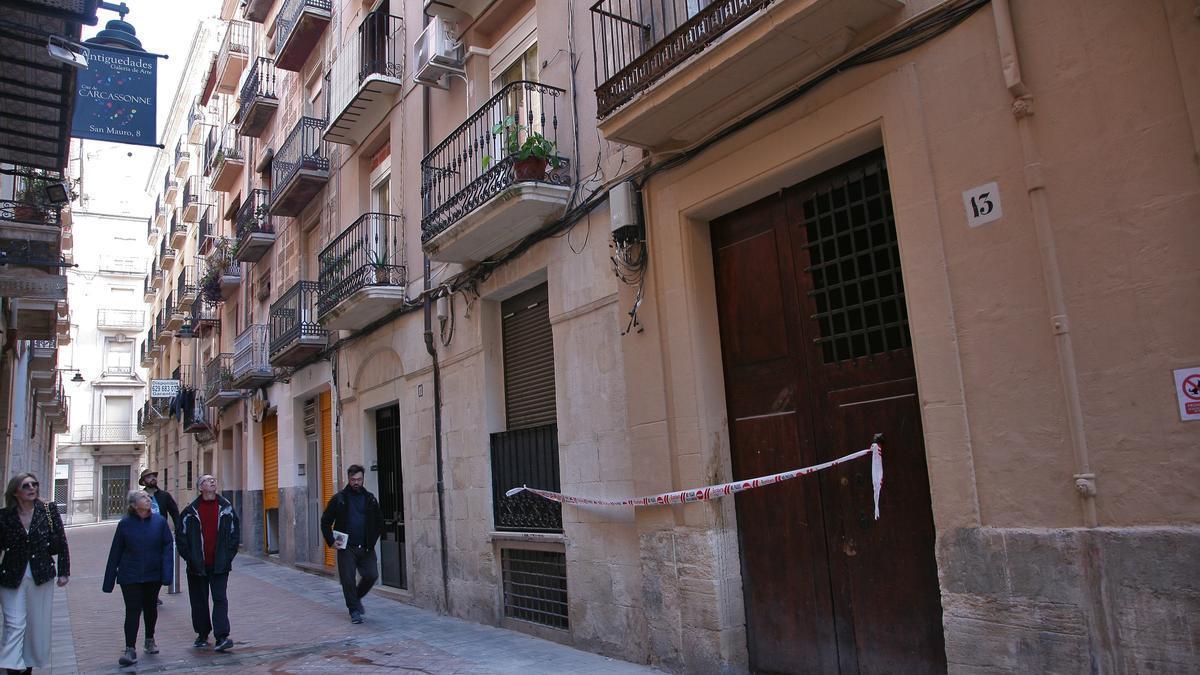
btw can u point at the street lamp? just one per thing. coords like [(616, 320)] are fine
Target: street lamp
[(117, 32)]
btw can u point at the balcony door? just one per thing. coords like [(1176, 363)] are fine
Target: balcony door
[(515, 59), (381, 180)]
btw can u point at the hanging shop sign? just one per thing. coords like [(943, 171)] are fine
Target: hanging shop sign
[(117, 97), (164, 388)]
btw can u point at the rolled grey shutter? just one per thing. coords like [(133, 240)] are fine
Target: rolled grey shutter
[(528, 360)]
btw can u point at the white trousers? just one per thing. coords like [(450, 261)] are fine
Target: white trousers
[(27, 614)]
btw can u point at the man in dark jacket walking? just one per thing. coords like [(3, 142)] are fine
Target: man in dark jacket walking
[(207, 542), (356, 516)]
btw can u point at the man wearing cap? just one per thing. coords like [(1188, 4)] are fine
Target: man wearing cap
[(161, 501)]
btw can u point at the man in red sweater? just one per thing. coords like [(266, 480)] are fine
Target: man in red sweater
[(208, 541)]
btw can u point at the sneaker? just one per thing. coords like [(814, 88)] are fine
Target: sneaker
[(224, 644), (356, 617), (200, 643), (150, 647), (128, 658)]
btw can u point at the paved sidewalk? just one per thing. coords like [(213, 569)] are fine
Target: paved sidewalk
[(285, 620)]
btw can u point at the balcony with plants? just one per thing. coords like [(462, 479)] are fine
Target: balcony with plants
[(223, 158), (111, 318), (298, 28), (31, 233), (196, 197), (365, 77), (183, 158), (296, 334), (223, 272), (257, 101), (232, 56), (673, 72), (362, 273), (251, 358), (255, 227), (497, 178), (300, 168), (218, 381)]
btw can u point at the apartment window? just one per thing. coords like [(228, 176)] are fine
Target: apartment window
[(528, 359), (118, 410), (118, 357), (515, 56)]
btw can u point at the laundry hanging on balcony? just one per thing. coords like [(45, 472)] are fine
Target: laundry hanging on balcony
[(724, 489)]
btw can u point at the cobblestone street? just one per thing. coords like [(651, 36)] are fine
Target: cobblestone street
[(285, 620)]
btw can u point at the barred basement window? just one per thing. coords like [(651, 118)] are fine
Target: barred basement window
[(535, 586), (60, 495), (855, 265)]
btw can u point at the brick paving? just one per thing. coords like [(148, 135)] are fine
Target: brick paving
[(287, 621)]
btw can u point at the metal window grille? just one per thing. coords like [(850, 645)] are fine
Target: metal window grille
[(855, 265), (525, 457), (60, 494), (535, 586)]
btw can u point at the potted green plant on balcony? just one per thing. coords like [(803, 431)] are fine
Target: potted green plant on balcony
[(531, 156), (32, 201), (378, 260), (210, 284)]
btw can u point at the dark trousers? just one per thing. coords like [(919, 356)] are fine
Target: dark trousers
[(360, 561), (199, 588), (141, 600)]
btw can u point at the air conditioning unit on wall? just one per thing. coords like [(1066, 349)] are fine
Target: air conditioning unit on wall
[(437, 53)]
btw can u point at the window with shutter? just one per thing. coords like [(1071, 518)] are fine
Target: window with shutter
[(528, 360)]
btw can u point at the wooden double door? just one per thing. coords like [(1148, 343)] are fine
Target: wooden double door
[(817, 359)]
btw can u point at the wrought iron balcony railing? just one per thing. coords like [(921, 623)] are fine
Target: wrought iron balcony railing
[(289, 17), (218, 376), (376, 48), (221, 144), (303, 149), (120, 319), (170, 183), (32, 214), (638, 42), (192, 190), (166, 253), (257, 101), (294, 316), (251, 356), (236, 41), (474, 164), (525, 457), (260, 83), (182, 151), (195, 114), (365, 254), (178, 226), (254, 215), (109, 433)]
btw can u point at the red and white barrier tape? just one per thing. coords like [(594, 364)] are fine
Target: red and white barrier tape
[(718, 491)]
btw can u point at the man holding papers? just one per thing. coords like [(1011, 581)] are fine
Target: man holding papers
[(351, 523)]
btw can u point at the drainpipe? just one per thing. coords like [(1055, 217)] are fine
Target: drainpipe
[(1035, 184), (437, 382), (1100, 615)]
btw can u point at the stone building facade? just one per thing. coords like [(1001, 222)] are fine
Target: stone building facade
[(964, 225)]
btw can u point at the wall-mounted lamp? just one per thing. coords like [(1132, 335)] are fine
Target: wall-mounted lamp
[(78, 374)]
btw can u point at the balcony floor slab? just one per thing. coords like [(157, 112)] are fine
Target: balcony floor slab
[(364, 306), (500, 222)]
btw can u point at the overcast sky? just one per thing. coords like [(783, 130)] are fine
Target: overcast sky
[(114, 174)]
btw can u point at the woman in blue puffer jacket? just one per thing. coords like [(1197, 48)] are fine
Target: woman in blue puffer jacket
[(140, 561)]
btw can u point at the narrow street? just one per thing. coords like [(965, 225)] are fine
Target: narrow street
[(285, 620)]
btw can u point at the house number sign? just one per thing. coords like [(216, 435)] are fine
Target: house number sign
[(982, 204)]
